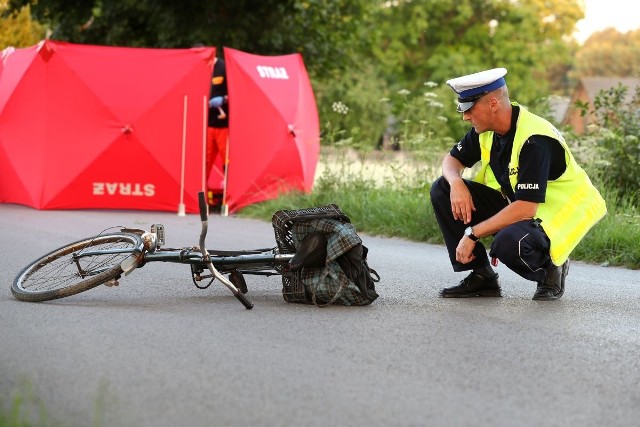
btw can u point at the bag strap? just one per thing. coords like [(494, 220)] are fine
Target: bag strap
[(343, 286)]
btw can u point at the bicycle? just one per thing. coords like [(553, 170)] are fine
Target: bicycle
[(103, 259)]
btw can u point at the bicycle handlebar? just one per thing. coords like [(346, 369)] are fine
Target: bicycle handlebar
[(247, 304), (204, 217), (203, 206)]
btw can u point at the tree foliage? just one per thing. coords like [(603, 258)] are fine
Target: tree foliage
[(17, 29), (609, 53), (434, 40), (440, 39), (322, 30)]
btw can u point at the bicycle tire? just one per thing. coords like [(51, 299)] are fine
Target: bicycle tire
[(56, 275)]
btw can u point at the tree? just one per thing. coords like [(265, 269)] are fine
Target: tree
[(17, 29), (438, 39), (326, 32), (609, 53)]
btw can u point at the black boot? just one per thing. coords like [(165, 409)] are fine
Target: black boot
[(553, 286), (474, 285)]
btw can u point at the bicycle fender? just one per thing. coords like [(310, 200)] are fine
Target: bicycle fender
[(129, 264)]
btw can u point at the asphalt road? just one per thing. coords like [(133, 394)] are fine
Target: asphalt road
[(156, 351)]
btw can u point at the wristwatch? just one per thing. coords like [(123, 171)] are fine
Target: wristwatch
[(469, 233)]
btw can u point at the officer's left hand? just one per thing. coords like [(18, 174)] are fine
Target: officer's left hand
[(464, 251)]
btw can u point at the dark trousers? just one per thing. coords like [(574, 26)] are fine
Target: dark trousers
[(523, 246)]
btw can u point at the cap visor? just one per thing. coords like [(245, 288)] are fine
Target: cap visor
[(464, 106)]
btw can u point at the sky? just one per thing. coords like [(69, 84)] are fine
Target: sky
[(601, 14)]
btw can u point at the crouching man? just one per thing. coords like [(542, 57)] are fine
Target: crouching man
[(529, 194)]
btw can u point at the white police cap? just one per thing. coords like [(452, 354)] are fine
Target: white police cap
[(472, 87)]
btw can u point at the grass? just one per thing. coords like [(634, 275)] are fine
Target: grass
[(398, 205), (26, 409)]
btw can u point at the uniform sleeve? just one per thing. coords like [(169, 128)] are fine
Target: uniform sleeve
[(467, 151), (533, 172)]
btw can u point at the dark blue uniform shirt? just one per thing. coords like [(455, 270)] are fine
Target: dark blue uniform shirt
[(541, 160)]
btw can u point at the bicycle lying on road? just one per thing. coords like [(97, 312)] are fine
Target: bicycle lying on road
[(103, 259)]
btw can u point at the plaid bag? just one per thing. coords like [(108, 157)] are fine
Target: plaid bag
[(346, 279)]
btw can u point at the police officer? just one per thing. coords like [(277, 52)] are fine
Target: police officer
[(529, 194)]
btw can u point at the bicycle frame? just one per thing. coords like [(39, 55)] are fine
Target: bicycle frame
[(258, 261)]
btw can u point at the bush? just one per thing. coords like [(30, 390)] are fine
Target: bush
[(613, 141), (358, 110), (349, 108)]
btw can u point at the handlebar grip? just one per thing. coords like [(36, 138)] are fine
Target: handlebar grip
[(244, 300), (203, 206)]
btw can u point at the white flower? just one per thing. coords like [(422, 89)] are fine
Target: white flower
[(339, 107)]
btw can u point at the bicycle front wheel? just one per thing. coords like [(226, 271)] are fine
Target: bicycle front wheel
[(76, 267)]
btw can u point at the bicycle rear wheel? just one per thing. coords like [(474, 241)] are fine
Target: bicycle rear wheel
[(62, 273)]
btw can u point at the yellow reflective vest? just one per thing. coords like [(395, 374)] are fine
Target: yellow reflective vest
[(572, 204)]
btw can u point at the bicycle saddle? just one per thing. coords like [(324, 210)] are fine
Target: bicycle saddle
[(311, 253)]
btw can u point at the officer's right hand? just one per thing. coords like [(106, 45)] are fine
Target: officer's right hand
[(461, 202)]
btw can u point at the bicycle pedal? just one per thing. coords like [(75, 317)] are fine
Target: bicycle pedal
[(158, 230)]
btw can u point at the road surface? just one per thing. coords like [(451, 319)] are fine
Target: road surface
[(156, 351)]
